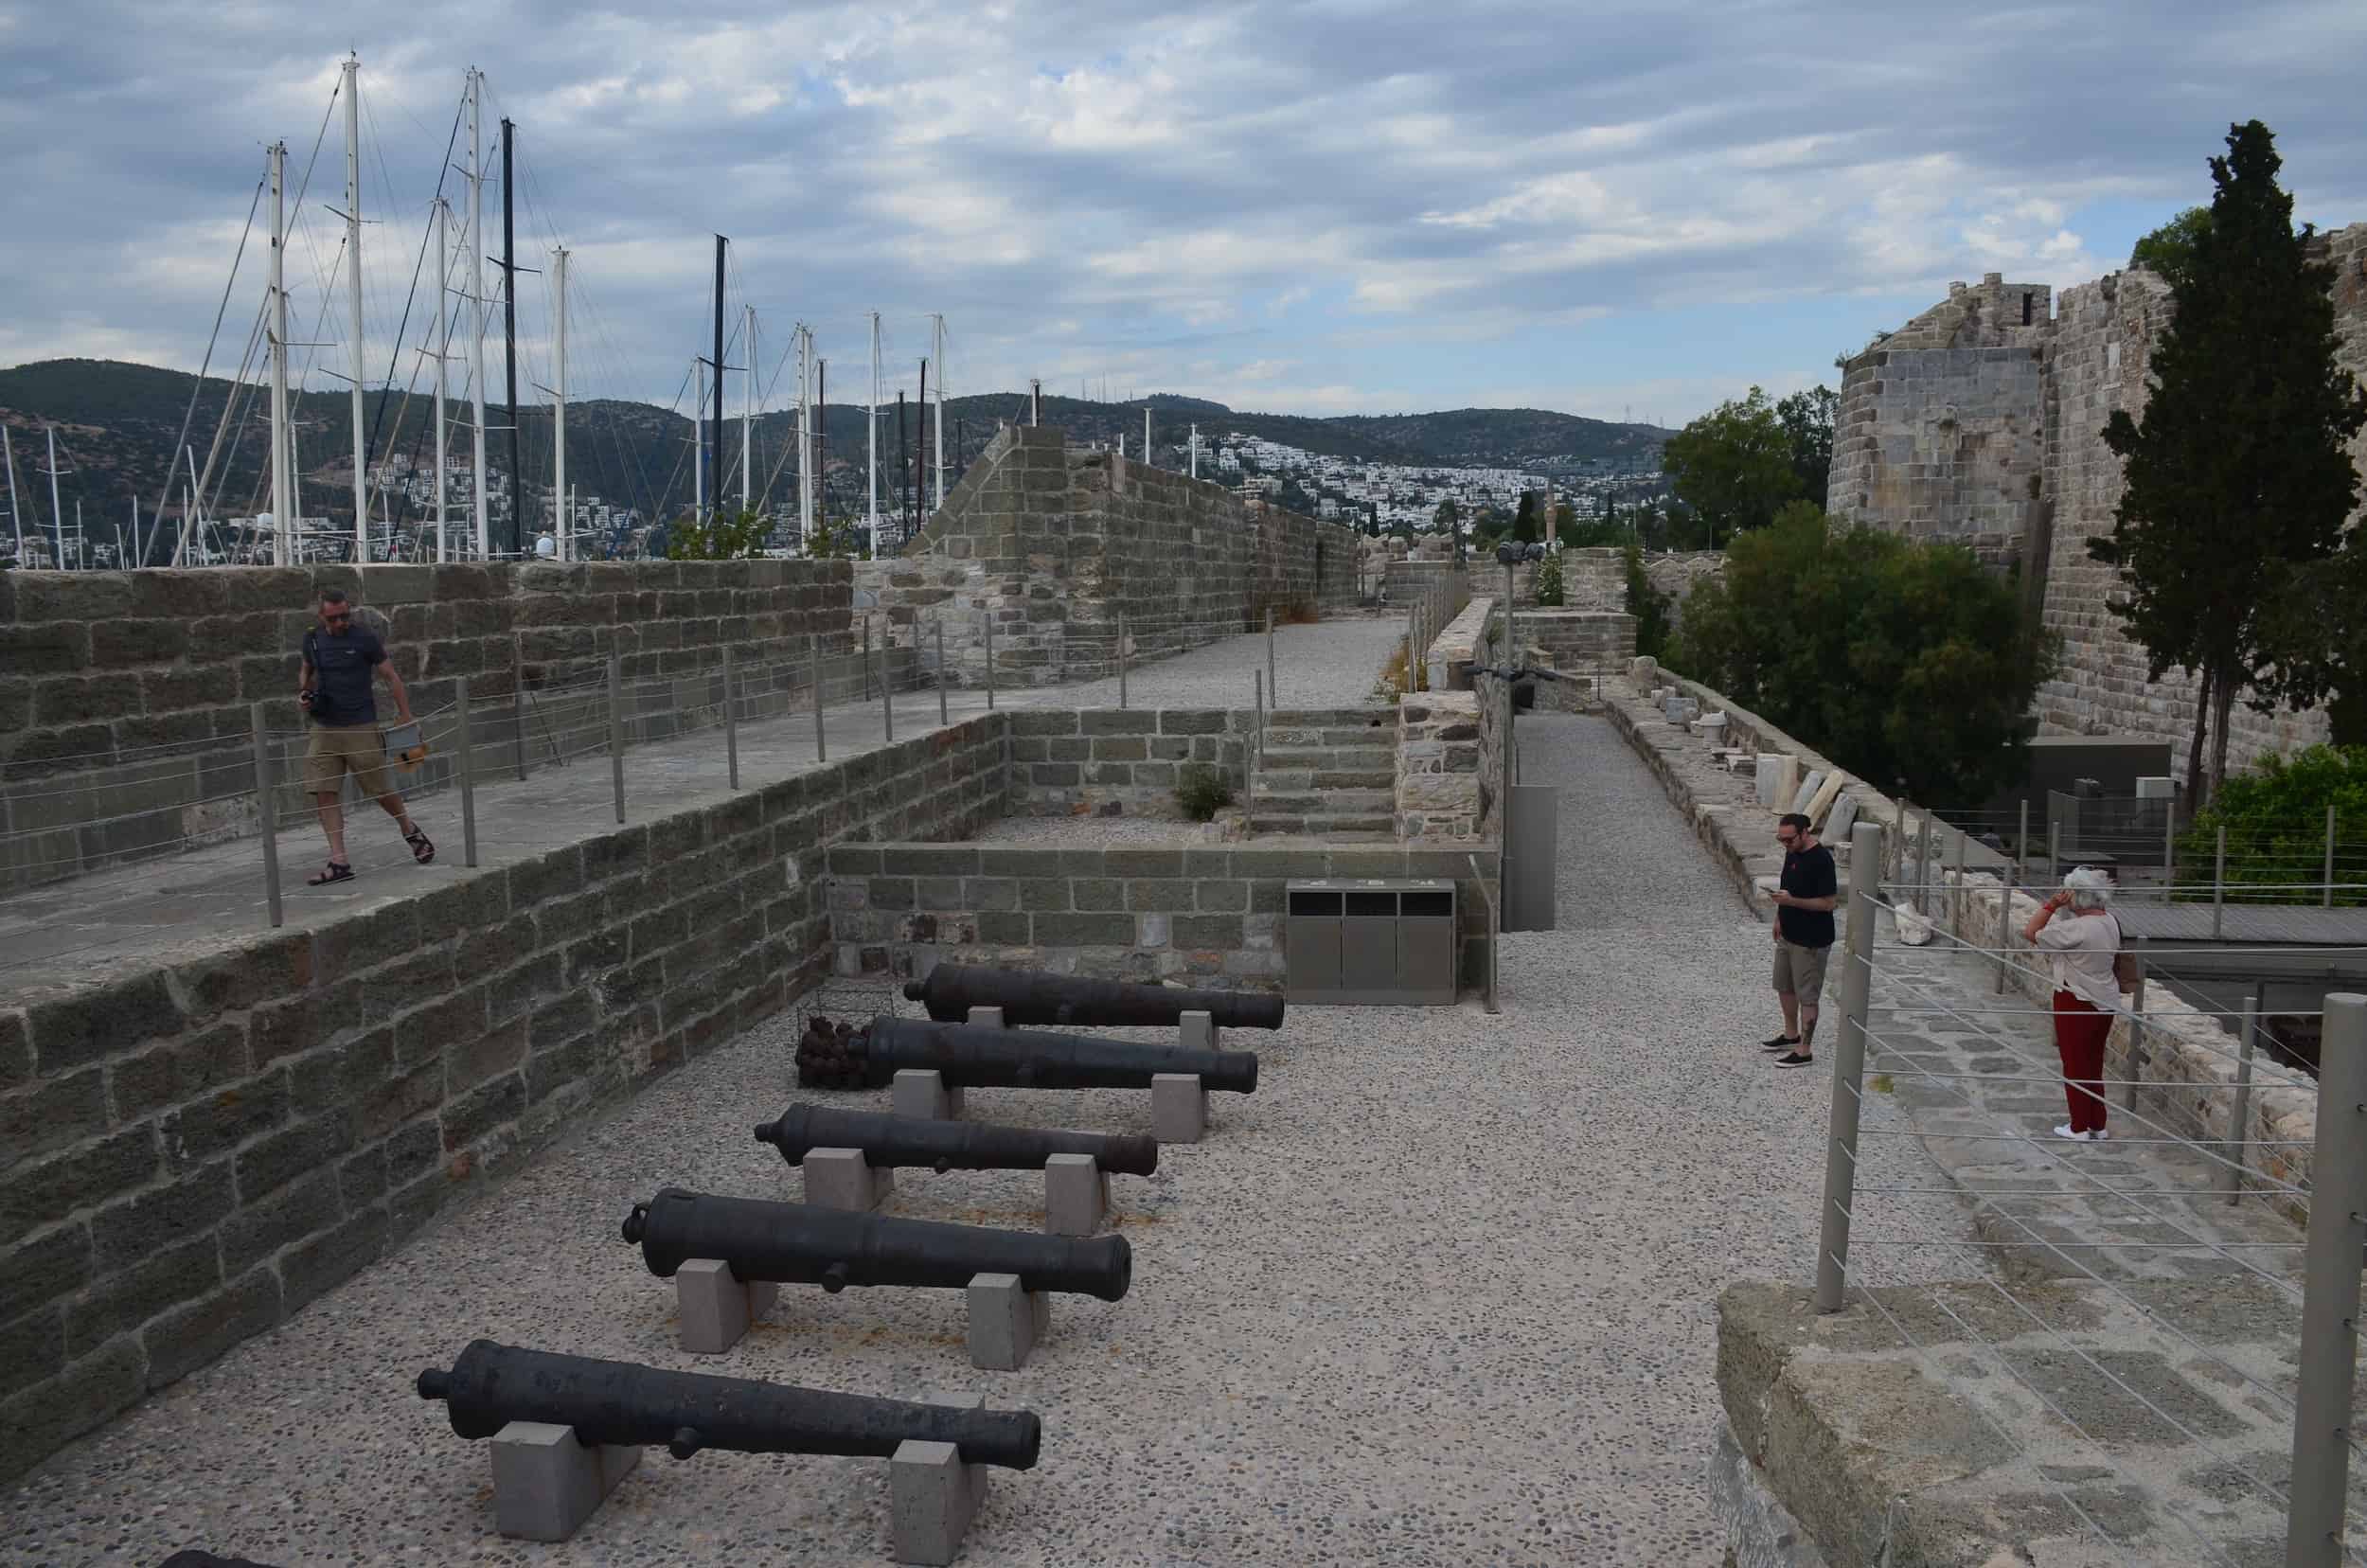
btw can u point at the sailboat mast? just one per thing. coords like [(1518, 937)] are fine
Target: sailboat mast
[(565, 528), (57, 512), (476, 294), (937, 353), (748, 411), (699, 441), (16, 513), (510, 535), (871, 434), (714, 502), (353, 90), (804, 436), (443, 351), (280, 497)]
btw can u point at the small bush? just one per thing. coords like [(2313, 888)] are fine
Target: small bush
[(1202, 791), (1548, 583)]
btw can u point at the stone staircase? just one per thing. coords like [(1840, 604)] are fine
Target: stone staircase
[(1327, 773)]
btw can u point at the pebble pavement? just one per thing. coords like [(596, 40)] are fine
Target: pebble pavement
[(1330, 663), (1440, 1292)]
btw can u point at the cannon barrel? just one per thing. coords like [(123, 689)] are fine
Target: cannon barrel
[(804, 1244), (606, 1401), (971, 1055), (944, 1146), (1030, 997)]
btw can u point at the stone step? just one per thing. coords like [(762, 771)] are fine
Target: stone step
[(1362, 802), (1331, 717), (1318, 826), (1302, 781), (1298, 735), (1315, 759)]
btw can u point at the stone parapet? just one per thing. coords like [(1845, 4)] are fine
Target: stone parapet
[(1125, 760), (1440, 743)]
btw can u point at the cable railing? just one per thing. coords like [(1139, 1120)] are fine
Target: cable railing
[(2194, 1240)]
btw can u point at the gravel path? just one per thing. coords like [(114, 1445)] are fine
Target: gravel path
[(1440, 1292), (1331, 664)]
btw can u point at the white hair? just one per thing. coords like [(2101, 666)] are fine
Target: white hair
[(2088, 888)]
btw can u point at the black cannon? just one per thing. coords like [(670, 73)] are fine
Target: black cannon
[(605, 1401), (971, 1055), (1028, 997), (803, 1244), (943, 1146)]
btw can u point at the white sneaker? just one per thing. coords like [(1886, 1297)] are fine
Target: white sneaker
[(2096, 1135), (2065, 1131)]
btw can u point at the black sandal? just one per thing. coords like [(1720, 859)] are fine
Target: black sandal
[(421, 850), (331, 871)]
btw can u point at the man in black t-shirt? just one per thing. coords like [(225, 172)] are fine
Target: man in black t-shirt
[(1804, 897), (341, 659)]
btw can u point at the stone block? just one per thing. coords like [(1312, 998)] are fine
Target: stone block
[(921, 1091), (1805, 793), (715, 1306), (933, 1497), (1197, 1031), (1179, 1108), (1842, 818), (1777, 779), (1076, 1195), (1006, 1322), (842, 1179), (546, 1484)]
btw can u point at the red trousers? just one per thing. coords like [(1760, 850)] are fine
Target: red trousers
[(2080, 1030)]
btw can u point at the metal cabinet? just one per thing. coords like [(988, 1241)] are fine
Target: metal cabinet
[(1372, 941)]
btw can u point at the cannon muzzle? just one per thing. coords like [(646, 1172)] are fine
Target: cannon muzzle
[(1028, 997), (804, 1244), (943, 1146), (605, 1401)]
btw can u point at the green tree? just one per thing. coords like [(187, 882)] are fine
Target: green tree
[(1548, 584), (2169, 250), (1524, 519), (2237, 485), (1906, 662), (1732, 467), (718, 538), (1807, 422), (1448, 520), (2275, 820), (1647, 604)]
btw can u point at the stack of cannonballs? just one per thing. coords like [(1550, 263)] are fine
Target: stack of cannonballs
[(830, 1055)]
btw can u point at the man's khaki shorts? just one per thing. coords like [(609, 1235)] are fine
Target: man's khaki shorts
[(338, 749), (1799, 971)]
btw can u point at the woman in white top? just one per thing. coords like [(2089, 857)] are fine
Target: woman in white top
[(2080, 949)]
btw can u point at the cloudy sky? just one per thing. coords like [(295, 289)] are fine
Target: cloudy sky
[(1333, 206)]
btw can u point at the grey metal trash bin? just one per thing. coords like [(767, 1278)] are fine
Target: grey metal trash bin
[(1371, 941)]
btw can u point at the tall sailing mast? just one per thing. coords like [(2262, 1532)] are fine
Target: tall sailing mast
[(282, 490), (871, 433), (936, 354), (351, 87), (16, 513), (443, 352), (748, 411), (476, 294), (804, 436), (564, 525)]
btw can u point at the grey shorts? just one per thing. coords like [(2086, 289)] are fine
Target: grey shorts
[(1799, 971)]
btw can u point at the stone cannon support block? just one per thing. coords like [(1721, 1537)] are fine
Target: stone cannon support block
[(986, 1018), (1005, 1322), (932, 1498), (840, 1179), (1076, 1195), (1197, 1031), (546, 1483), (715, 1308), (1179, 1108), (921, 1091)]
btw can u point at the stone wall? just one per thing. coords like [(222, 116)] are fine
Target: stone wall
[(1438, 767), (1130, 913), (1127, 761), (1678, 573), (125, 697), (1941, 430), (1053, 545), (188, 1155), (1581, 640)]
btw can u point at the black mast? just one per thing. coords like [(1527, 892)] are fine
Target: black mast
[(509, 332), (920, 439), (822, 439), (715, 464), (903, 470)]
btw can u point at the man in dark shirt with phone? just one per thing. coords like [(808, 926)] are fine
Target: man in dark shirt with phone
[(341, 659), (1804, 897)]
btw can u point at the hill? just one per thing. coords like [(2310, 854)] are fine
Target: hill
[(119, 430)]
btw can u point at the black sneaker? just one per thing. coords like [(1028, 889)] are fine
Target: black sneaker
[(1794, 1058), (1781, 1042)]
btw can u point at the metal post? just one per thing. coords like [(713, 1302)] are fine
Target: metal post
[(2322, 1419), (821, 747), (616, 731), (2218, 886), (1841, 1153), (731, 724), (1923, 866), (1271, 684), (518, 701), (2136, 1065), (1495, 928), (1956, 891), (887, 696), (943, 717), (2054, 851), (266, 814), (2169, 842), (989, 649), (467, 760), (867, 658), (1257, 737), (1121, 658), (2022, 843), (2239, 1115), (2004, 922), (2326, 897)]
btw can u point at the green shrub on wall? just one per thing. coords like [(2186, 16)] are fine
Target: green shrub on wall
[(1202, 791), (1550, 592), (2275, 818)]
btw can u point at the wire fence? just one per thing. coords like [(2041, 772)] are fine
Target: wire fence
[(2152, 1314)]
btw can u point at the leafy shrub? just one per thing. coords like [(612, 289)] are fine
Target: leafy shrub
[(1649, 605), (1202, 791), (1550, 591), (2275, 818)]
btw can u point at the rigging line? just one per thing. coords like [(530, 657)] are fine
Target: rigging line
[(434, 213), (198, 386)]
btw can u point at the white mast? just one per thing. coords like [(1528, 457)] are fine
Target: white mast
[(748, 416), (476, 295), (1145, 436), (805, 434), (189, 526), (1195, 452), (353, 90), (937, 353), (279, 476), (16, 513), (565, 528), (443, 352), (57, 512), (871, 432), (699, 441), (138, 555)]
